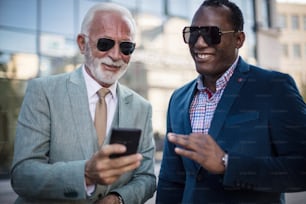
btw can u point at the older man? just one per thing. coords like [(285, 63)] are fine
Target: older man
[(62, 151)]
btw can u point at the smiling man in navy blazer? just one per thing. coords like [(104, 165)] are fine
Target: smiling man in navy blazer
[(237, 133)]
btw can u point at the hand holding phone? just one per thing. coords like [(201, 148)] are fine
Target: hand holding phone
[(128, 137)]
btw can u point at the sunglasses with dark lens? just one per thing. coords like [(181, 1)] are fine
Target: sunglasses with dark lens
[(105, 44), (211, 34)]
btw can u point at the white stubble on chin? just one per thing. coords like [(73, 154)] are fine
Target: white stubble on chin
[(106, 76)]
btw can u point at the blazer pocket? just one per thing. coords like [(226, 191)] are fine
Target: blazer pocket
[(241, 118)]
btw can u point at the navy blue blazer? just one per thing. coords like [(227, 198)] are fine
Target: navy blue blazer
[(260, 122)]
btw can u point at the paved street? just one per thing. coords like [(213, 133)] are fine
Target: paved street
[(7, 195)]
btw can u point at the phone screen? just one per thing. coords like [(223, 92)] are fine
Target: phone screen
[(126, 136)]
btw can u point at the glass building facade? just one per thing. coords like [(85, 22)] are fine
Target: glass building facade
[(37, 38)]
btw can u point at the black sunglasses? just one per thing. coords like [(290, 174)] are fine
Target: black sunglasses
[(211, 34), (105, 44)]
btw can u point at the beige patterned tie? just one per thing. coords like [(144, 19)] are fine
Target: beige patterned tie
[(101, 115)]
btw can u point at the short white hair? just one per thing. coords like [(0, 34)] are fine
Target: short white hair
[(108, 7)]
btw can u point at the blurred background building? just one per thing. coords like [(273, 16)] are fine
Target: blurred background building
[(292, 24), (37, 38)]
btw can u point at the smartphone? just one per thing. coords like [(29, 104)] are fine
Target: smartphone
[(129, 137)]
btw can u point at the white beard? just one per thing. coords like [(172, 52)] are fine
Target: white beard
[(104, 76)]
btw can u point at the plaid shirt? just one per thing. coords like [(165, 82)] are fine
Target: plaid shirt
[(204, 103)]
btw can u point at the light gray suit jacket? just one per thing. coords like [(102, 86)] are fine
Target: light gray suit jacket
[(55, 136)]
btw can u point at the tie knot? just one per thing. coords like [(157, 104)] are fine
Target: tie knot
[(103, 92)]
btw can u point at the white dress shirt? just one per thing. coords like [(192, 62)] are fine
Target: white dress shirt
[(111, 101)]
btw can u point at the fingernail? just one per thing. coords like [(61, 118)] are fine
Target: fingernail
[(122, 148), (171, 134)]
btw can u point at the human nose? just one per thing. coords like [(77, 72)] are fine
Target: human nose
[(200, 42), (115, 52)]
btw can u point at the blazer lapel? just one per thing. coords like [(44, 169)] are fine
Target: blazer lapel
[(125, 111), (187, 101), (230, 93), (81, 116), (187, 129)]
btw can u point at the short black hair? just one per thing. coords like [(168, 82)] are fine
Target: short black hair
[(236, 16)]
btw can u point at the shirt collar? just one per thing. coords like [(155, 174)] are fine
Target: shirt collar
[(222, 81), (93, 86)]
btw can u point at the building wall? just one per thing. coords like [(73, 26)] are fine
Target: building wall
[(292, 37)]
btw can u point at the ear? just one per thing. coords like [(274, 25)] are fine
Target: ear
[(240, 36), (81, 43)]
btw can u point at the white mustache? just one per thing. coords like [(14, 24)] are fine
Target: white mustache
[(108, 61)]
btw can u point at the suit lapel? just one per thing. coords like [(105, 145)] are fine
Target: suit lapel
[(81, 116), (187, 129), (187, 102), (230, 93), (125, 111)]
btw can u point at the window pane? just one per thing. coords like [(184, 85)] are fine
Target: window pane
[(285, 50), (247, 8), (304, 21), (282, 21), (296, 51), (295, 22), (17, 41), (265, 13), (57, 45), (185, 8), (154, 7), (84, 6), (181, 9), (18, 14), (57, 16)]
